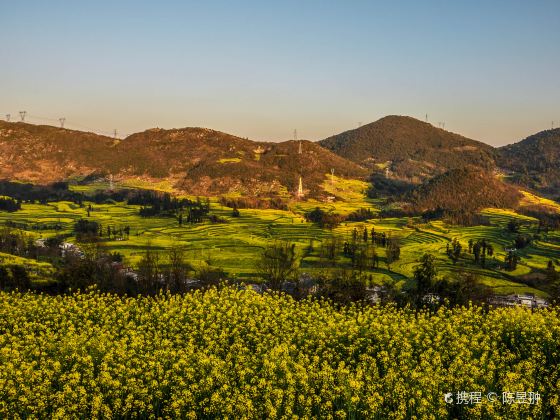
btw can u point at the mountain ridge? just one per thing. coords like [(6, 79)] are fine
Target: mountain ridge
[(534, 162), (411, 149), (202, 161), (195, 160)]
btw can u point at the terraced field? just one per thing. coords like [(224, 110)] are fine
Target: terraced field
[(236, 245)]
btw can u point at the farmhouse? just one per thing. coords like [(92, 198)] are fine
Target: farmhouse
[(528, 300)]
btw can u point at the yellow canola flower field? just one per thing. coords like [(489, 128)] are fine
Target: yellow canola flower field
[(236, 354)]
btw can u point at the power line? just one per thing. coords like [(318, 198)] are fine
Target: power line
[(78, 126)]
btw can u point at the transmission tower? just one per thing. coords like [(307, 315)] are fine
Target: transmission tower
[(62, 121), (426, 117), (332, 176), (300, 149), (8, 117), (22, 115), (295, 134), (115, 133)]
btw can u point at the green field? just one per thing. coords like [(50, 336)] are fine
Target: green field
[(236, 245)]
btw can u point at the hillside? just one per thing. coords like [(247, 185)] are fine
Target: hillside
[(194, 160), (209, 162), (42, 153), (535, 162), (413, 150), (464, 189)]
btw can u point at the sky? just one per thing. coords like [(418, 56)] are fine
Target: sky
[(260, 69)]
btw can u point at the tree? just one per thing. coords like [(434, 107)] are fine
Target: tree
[(344, 287), (149, 271), (463, 287), (361, 258), (329, 250), (14, 277), (513, 226), (476, 252), (374, 258), (323, 219), (424, 276), (279, 262), (86, 230), (551, 273), (511, 261), (176, 273), (455, 251), (392, 253), (210, 276)]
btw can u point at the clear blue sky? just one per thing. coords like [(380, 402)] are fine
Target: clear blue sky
[(259, 69)]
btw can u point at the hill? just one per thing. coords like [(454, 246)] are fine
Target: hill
[(535, 162), (42, 153), (467, 189), (196, 161), (412, 150)]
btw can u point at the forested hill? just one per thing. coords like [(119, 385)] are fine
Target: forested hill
[(413, 150), (194, 160), (466, 189), (209, 161), (44, 153), (202, 161), (535, 162)]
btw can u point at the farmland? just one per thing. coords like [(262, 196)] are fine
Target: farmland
[(231, 353), (236, 245)]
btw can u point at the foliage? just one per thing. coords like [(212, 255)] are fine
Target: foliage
[(425, 277), (9, 204), (324, 219)]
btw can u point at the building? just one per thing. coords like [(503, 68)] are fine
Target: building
[(528, 300)]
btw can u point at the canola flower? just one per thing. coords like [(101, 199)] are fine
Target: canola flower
[(236, 354)]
